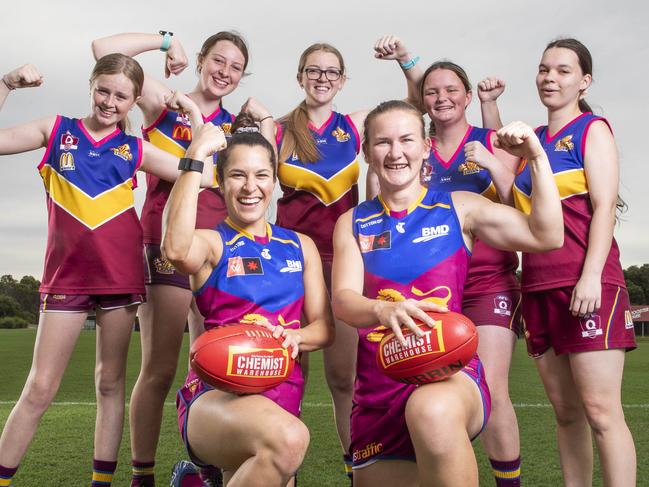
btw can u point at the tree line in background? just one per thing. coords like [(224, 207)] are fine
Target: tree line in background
[(19, 300)]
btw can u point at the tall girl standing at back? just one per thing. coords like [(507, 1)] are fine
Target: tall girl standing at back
[(575, 303), (318, 171), (220, 65)]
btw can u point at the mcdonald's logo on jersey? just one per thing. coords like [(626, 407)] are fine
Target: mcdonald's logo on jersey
[(66, 162), (374, 242), (182, 132)]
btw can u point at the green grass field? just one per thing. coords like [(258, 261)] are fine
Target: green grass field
[(62, 450)]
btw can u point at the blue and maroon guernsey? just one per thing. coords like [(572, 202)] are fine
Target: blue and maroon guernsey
[(172, 132), (562, 267), (315, 194), (94, 242), (257, 279), (418, 253), (491, 270)]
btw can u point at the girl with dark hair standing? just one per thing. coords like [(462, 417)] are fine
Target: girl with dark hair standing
[(575, 303), (257, 439)]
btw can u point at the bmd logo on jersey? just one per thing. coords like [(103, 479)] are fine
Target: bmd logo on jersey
[(369, 243), (591, 326), (292, 266), (243, 266), (430, 233), (68, 141)]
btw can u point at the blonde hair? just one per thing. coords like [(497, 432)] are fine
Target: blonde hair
[(116, 63), (297, 138)]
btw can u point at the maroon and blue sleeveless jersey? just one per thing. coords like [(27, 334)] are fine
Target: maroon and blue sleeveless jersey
[(562, 267), (172, 132), (94, 242), (491, 270), (257, 279), (418, 253), (315, 194)]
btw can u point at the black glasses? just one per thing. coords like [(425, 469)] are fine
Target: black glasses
[(316, 73)]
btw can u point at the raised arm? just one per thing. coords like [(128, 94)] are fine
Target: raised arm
[(392, 47), (153, 92), (27, 136), (194, 252), (602, 173), (500, 164), (504, 227), (348, 302), (489, 89)]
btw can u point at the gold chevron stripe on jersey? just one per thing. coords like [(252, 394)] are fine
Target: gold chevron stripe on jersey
[(90, 211), (328, 191), (167, 144), (570, 183), (490, 193)]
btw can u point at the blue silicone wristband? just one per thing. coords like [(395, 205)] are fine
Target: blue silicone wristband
[(166, 42), (410, 64)]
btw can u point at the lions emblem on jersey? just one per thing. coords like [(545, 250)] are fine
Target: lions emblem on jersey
[(340, 134), (123, 151), (564, 144), (468, 167)]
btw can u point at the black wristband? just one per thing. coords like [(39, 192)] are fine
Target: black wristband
[(187, 164)]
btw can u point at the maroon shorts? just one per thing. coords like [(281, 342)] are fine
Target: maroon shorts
[(158, 270), (498, 309), (287, 395), (382, 433), (76, 303), (549, 323)]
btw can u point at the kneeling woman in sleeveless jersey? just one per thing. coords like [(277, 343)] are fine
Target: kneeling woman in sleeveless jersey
[(256, 439), (94, 246), (378, 288)]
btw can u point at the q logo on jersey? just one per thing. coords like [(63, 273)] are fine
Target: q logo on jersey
[(266, 254), (68, 141), (591, 326), (401, 227), (503, 305)]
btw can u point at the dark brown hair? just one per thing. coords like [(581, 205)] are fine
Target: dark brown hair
[(248, 138), (296, 136), (584, 57), (450, 66)]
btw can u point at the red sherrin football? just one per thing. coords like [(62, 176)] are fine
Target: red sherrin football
[(440, 353), (241, 358)]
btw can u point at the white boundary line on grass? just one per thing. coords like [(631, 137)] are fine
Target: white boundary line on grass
[(308, 405)]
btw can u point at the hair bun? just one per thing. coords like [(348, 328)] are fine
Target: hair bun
[(244, 123)]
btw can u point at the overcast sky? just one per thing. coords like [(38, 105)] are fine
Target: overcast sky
[(505, 38)]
